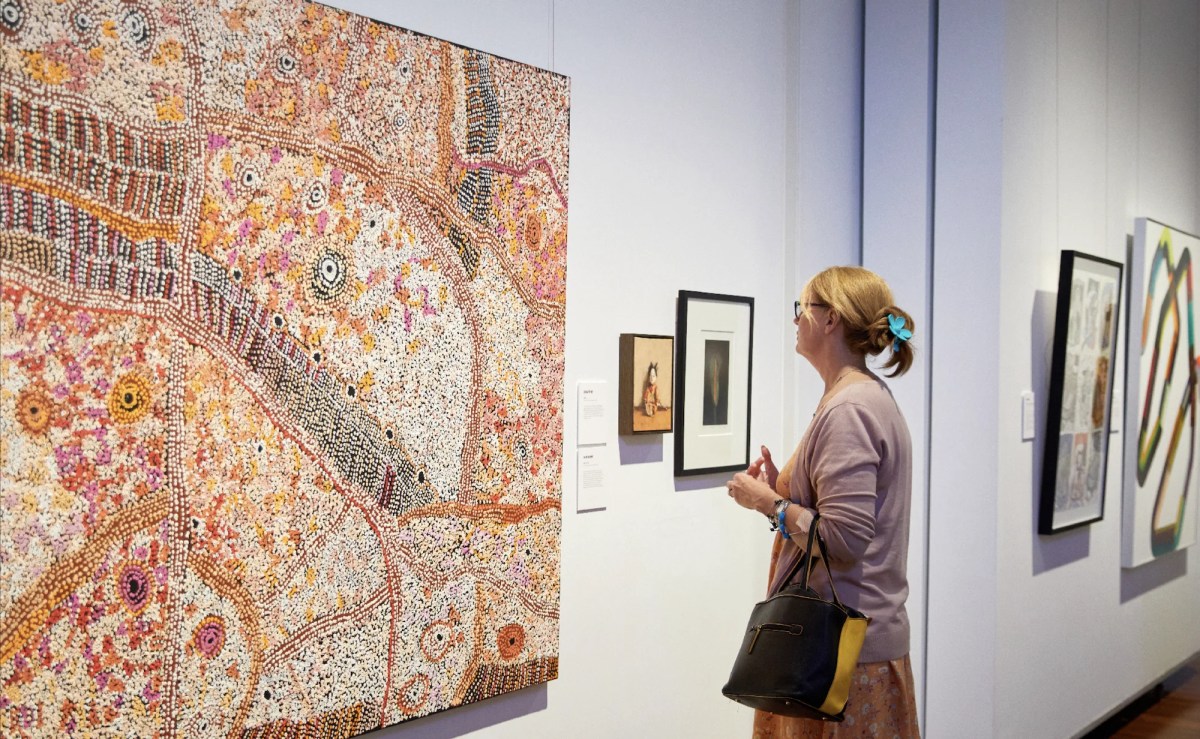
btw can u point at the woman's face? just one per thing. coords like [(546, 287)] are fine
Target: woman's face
[(653, 375), (808, 326)]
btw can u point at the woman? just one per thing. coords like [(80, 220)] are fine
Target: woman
[(854, 466)]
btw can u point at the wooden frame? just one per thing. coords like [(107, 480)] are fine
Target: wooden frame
[(645, 408)]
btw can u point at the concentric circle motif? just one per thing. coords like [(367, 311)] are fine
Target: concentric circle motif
[(316, 197), (209, 636), (436, 640), (533, 231), (511, 641), (286, 67), (414, 693), (330, 276), (84, 23), (12, 16), (135, 29), (134, 585), (129, 398), (247, 177), (34, 410)]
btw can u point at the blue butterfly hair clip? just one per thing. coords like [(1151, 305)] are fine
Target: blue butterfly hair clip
[(896, 326)]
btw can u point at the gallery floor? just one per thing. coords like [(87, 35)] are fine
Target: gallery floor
[(1170, 711)]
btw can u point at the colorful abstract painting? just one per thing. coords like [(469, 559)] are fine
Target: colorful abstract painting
[(281, 342), (1161, 440)]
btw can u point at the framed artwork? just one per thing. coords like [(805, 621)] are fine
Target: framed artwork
[(646, 385), (1160, 407), (281, 337), (712, 386), (1081, 388)]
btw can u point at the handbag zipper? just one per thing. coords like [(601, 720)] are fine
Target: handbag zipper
[(793, 629)]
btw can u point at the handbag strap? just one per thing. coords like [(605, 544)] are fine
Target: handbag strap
[(805, 560)]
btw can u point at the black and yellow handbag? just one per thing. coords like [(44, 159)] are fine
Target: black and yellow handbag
[(800, 650)]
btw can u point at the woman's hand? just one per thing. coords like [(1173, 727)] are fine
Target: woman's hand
[(752, 493), (764, 468)]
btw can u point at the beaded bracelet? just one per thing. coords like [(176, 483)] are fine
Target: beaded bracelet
[(778, 520)]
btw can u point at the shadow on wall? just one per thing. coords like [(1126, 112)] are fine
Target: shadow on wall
[(1141, 580), (703, 482), (1055, 550), (644, 449), (471, 717)]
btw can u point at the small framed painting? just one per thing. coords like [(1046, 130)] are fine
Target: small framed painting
[(646, 385), (1075, 460), (712, 384)]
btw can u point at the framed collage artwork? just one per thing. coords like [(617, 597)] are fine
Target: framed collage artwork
[(1075, 460)]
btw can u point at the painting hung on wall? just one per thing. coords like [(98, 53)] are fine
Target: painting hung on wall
[(646, 383), (1160, 428), (281, 338), (1075, 458), (712, 387)]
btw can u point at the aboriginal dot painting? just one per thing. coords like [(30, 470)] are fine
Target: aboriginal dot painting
[(281, 339), (1160, 467)]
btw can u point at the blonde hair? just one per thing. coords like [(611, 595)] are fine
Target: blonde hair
[(864, 301)]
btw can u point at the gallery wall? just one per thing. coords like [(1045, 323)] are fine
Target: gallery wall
[(1102, 125), (688, 121), (964, 490), (897, 236)]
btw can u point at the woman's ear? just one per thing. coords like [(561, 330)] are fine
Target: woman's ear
[(831, 319)]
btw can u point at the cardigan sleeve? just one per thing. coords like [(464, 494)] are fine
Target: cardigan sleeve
[(844, 465)]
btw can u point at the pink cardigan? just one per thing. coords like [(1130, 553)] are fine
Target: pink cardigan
[(854, 465)]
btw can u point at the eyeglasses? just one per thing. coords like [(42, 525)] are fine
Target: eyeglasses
[(802, 308)]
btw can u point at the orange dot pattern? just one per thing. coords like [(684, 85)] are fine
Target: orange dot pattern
[(34, 410), (129, 398)]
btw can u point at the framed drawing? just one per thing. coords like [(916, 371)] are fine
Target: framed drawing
[(712, 386), (1081, 378), (1160, 408), (647, 374)]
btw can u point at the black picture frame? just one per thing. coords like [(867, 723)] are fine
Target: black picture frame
[(714, 341), (1079, 411)]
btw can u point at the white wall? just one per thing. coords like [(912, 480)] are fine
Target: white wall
[(897, 227), (964, 468), (678, 166), (824, 139), (1102, 124)]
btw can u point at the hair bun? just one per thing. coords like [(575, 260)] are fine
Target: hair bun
[(872, 322), (893, 328)]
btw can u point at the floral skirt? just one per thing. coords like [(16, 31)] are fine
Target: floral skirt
[(882, 705)]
